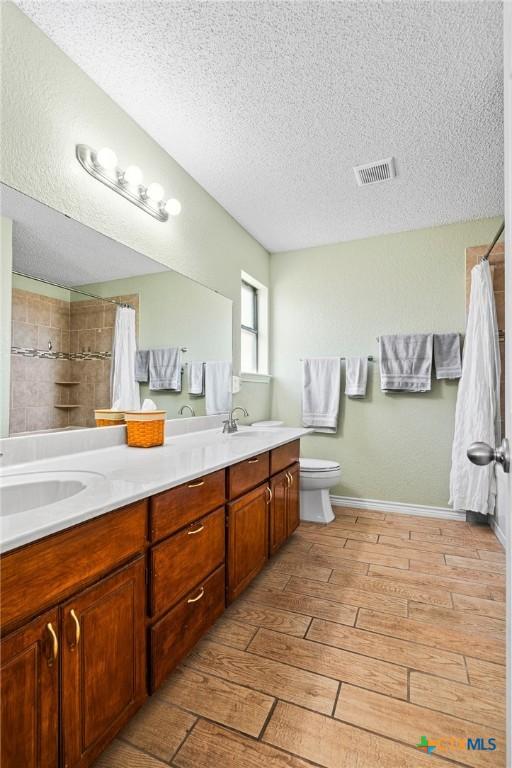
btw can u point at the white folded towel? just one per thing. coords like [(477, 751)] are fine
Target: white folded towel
[(447, 356), (195, 375), (218, 381), (406, 362), (356, 376), (321, 393), (165, 369)]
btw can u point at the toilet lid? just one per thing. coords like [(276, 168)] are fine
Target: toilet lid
[(318, 465)]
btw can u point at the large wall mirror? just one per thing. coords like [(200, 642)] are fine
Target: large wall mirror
[(66, 284)]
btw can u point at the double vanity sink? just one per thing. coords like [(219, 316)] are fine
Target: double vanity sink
[(114, 563)]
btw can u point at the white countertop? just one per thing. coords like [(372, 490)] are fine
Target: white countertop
[(122, 475)]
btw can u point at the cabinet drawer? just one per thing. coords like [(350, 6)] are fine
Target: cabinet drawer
[(181, 562), (284, 456), (248, 474), (171, 510), (47, 571), (178, 631)]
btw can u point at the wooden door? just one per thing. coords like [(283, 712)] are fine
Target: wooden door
[(103, 662), (293, 499), (30, 695), (247, 539), (278, 511)]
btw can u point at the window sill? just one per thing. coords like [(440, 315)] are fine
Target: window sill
[(256, 378)]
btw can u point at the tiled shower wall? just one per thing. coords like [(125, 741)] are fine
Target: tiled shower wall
[(81, 337)]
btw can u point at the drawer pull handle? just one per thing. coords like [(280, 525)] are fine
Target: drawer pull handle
[(269, 495), (191, 531), (195, 599), (196, 485), (77, 628), (288, 480), (55, 644), (253, 461)]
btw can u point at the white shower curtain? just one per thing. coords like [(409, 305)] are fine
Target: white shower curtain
[(477, 413), (125, 395)]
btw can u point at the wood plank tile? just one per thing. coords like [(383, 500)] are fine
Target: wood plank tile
[(498, 593), (407, 722), (476, 564), (271, 677), (367, 514), (456, 540), (456, 572), (332, 662), (256, 615), (231, 633), (430, 580), (333, 555), (335, 529), (375, 527), (306, 605), (395, 588), (403, 522), (493, 555), (297, 566), (426, 546), (372, 550), (478, 605), (348, 596), (336, 542), (323, 556), (397, 518), (463, 701), (453, 619), (158, 728), (295, 545), (210, 746), (485, 674), (334, 744), (407, 654), (476, 644), (121, 754), (226, 703), (272, 579)]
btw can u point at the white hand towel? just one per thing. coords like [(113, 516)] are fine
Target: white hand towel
[(447, 356), (165, 369), (321, 393), (406, 362), (356, 376), (218, 378), (195, 375)]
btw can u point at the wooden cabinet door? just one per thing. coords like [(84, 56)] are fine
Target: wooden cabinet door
[(247, 539), (278, 511), (30, 695), (103, 662), (293, 499)]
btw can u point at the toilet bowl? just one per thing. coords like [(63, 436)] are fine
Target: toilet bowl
[(317, 476)]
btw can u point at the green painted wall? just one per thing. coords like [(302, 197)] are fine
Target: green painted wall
[(336, 300), (5, 321), (35, 286)]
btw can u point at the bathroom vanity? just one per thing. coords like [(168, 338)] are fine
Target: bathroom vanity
[(97, 614)]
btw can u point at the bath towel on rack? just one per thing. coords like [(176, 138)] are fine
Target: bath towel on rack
[(218, 386), (321, 393), (406, 362), (356, 376), (165, 369), (447, 358), (195, 377), (142, 366)]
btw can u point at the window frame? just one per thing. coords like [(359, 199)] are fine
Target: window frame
[(254, 330)]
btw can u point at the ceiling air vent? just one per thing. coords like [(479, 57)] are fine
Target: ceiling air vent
[(374, 173)]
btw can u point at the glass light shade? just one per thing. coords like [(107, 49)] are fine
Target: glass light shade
[(155, 192), (107, 158), (133, 175), (173, 207)]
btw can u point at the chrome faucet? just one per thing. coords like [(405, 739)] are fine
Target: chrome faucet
[(231, 424), (192, 412)]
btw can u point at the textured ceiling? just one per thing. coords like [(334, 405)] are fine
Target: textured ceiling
[(52, 246), (268, 105)]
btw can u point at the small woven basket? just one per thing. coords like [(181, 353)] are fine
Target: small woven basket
[(145, 429), (106, 417)]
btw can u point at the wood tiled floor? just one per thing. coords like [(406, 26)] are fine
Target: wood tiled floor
[(356, 640)]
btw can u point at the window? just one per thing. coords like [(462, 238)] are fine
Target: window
[(249, 344)]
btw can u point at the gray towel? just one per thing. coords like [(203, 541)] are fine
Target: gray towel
[(447, 356), (195, 377), (406, 362), (165, 369), (142, 365), (356, 376)]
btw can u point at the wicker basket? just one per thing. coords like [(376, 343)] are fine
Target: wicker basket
[(106, 417), (145, 429)]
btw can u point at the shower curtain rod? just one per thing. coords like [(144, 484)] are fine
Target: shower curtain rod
[(497, 236), (76, 290)]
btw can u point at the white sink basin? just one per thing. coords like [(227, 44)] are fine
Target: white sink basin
[(21, 492)]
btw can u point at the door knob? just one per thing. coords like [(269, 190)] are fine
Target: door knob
[(482, 454)]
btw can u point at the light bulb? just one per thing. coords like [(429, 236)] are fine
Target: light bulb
[(173, 207), (133, 175), (107, 158), (155, 192)]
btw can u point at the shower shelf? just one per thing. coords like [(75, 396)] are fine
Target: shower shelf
[(56, 405), (67, 383)]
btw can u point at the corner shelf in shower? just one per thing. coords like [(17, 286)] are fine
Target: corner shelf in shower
[(67, 383), (57, 405)]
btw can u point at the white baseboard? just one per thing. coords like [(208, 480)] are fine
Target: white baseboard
[(421, 510), (500, 535)]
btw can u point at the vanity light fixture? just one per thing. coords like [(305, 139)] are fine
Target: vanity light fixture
[(103, 166)]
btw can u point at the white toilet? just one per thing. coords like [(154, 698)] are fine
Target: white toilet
[(317, 476)]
